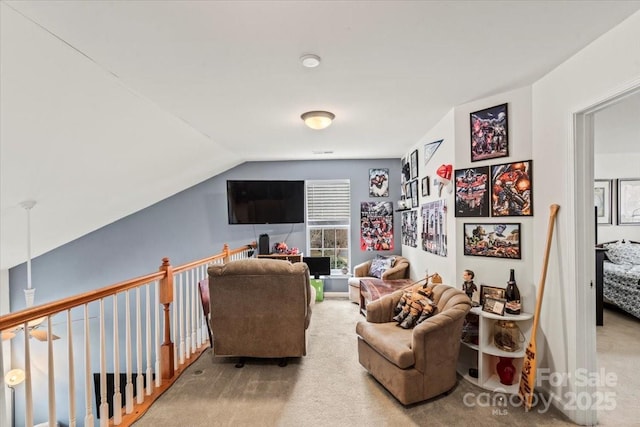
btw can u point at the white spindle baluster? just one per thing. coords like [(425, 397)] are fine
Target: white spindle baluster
[(174, 322), (187, 316), (51, 373), (181, 318), (72, 379), (4, 419), (27, 379), (127, 330), (195, 343), (148, 338), (88, 417), (156, 302), (117, 396), (139, 377), (104, 406)]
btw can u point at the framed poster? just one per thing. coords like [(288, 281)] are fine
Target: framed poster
[(502, 241), (414, 164), (378, 182), (629, 201), (434, 227), (414, 193), (512, 189), (472, 192), (376, 226), (410, 228), (489, 133), (602, 200), (430, 149), (426, 191)]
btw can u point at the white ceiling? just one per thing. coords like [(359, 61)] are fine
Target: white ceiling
[(110, 106)]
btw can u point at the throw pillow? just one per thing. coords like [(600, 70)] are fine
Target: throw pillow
[(623, 253), (414, 307), (380, 264)]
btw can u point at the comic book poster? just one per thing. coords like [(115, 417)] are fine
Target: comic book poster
[(410, 228), (376, 226), (379, 182), (434, 227), (512, 189), (489, 133), (472, 192)]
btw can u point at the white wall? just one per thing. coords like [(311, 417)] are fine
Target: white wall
[(599, 71), (5, 396), (495, 271), (419, 259), (614, 166)]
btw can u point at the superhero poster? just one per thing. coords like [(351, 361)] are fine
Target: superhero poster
[(492, 240), (376, 226), (434, 227), (512, 189), (472, 192), (489, 133)]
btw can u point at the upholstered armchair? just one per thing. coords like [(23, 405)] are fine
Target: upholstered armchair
[(260, 308), (419, 363), (399, 270)]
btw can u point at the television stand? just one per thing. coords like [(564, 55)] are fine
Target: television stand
[(284, 257)]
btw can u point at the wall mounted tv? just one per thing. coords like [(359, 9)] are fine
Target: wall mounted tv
[(265, 202)]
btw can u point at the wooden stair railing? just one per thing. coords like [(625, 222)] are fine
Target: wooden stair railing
[(173, 290)]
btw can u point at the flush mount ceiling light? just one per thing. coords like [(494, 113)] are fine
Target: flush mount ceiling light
[(310, 60), (318, 119)]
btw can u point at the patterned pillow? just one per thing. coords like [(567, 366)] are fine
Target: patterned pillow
[(623, 253), (380, 264)]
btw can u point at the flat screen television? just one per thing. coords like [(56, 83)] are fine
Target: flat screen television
[(265, 202), (318, 266)]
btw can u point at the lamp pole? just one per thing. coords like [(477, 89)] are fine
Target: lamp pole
[(12, 379), (29, 293)]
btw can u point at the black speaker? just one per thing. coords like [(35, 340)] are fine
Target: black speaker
[(263, 245)]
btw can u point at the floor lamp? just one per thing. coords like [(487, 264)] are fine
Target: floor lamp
[(13, 378)]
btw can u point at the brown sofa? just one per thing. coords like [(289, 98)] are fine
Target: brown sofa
[(414, 364), (260, 308), (400, 270)]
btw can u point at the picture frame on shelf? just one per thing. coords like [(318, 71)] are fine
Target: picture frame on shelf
[(494, 305), (492, 292), (628, 201), (414, 164), (489, 133), (426, 191), (472, 192), (602, 200), (495, 240), (512, 189)]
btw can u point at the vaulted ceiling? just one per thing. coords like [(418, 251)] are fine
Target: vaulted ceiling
[(110, 106)]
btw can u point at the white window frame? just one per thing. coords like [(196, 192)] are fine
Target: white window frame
[(342, 220)]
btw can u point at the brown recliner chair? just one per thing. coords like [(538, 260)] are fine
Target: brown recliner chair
[(414, 364), (400, 270), (260, 308)]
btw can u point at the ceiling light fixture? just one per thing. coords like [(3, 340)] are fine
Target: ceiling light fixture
[(310, 60), (318, 119)]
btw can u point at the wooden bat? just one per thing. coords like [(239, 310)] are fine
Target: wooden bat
[(528, 378)]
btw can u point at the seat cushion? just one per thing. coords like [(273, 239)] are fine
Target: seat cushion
[(391, 341)]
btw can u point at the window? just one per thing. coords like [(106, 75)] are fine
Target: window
[(329, 221)]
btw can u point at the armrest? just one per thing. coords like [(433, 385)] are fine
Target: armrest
[(396, 272), (381, 310), (362, 270)]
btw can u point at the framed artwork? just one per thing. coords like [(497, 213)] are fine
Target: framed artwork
[(497, 240), (430, 149), (434, 227), (378, 182), (376, 226), (414, 193), (491, 292), (489, 133), (472, 192), (494, 305), (410, 228), (602, 200), (414, 164), (512, 189), (629, 201), (425, 186)]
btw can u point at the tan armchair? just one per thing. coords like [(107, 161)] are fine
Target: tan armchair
[(260, 308), (400, 270), (414, 364)]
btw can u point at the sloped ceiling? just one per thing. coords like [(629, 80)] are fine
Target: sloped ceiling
[(110, 106)]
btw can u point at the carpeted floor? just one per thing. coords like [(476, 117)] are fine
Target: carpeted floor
[(328, 387)]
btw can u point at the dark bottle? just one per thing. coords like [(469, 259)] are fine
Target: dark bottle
[(512, 294)]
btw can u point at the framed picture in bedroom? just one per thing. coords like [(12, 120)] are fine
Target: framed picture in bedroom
[(629, 201), (602, 200), (489, 133)]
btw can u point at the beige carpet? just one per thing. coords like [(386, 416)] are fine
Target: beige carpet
[(328, 387)]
